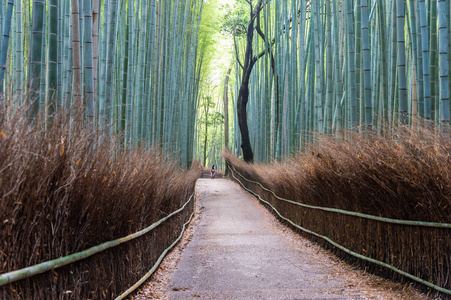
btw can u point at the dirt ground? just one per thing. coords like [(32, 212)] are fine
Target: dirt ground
[(235, 249)]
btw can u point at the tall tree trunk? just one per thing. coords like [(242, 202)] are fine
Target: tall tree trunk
[(243, 95), (243, 98)]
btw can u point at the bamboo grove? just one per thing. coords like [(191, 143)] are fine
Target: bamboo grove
[(132, 65), (346, 64)]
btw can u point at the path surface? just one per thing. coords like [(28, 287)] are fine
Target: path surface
[(235, 249), (239, 251)]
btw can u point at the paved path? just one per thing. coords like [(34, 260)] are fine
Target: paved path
[(238, 252)]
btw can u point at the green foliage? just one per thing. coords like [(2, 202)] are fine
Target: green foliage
[(235, 18), (211, 119)]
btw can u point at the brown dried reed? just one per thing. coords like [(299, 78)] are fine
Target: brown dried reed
[(406, 176), (64, 190)]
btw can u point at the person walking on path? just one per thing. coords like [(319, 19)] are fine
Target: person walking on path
[(213, 172)]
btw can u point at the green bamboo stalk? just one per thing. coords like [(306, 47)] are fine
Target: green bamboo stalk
[(127, 103), (76, 58), (89, 62), (2, 19), (293, 81), (107, 109), (449, 43), (318, 70), (171, 113), (433, 61), (165, 104), (156, 136), (185, 110), (149, 88), (5, 45), (134, 100), (367, 95), (443, 62), (402, 81), (35, 68), (19, 79), (359, 62), (426, 65), (393, 59), (141, 76), (52, 74), (414, 65), (419, 64), (329, 72), (43, 82), (67, 57), (101, 109), (59, 71), (353, 120), (337, 66), (95, 43), (377, 102)]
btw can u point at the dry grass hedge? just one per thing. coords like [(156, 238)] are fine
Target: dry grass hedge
[(63, 191), (406, 177)]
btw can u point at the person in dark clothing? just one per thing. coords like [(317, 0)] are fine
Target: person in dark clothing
[(213, 172)]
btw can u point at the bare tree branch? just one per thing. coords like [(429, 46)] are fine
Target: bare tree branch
[(235, 44), (236, 52)]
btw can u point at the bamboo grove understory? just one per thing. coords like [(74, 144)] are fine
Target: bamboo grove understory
[(132, 65), (351, 64)]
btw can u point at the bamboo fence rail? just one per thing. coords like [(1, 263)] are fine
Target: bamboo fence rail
[(155, 266), (62, 261), (352, 213), (339, 246)]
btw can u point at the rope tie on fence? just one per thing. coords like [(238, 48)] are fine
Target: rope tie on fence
[(351, 213), (374, 261), (66, 260)]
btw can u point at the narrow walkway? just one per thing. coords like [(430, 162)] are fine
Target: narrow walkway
[(239, 251)]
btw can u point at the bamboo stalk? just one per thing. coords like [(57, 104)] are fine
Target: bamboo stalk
[(5, 45)]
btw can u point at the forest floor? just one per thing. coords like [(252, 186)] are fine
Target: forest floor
[(235, 249)]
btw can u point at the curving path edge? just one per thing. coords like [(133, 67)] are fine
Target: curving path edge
[(239, 251)]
